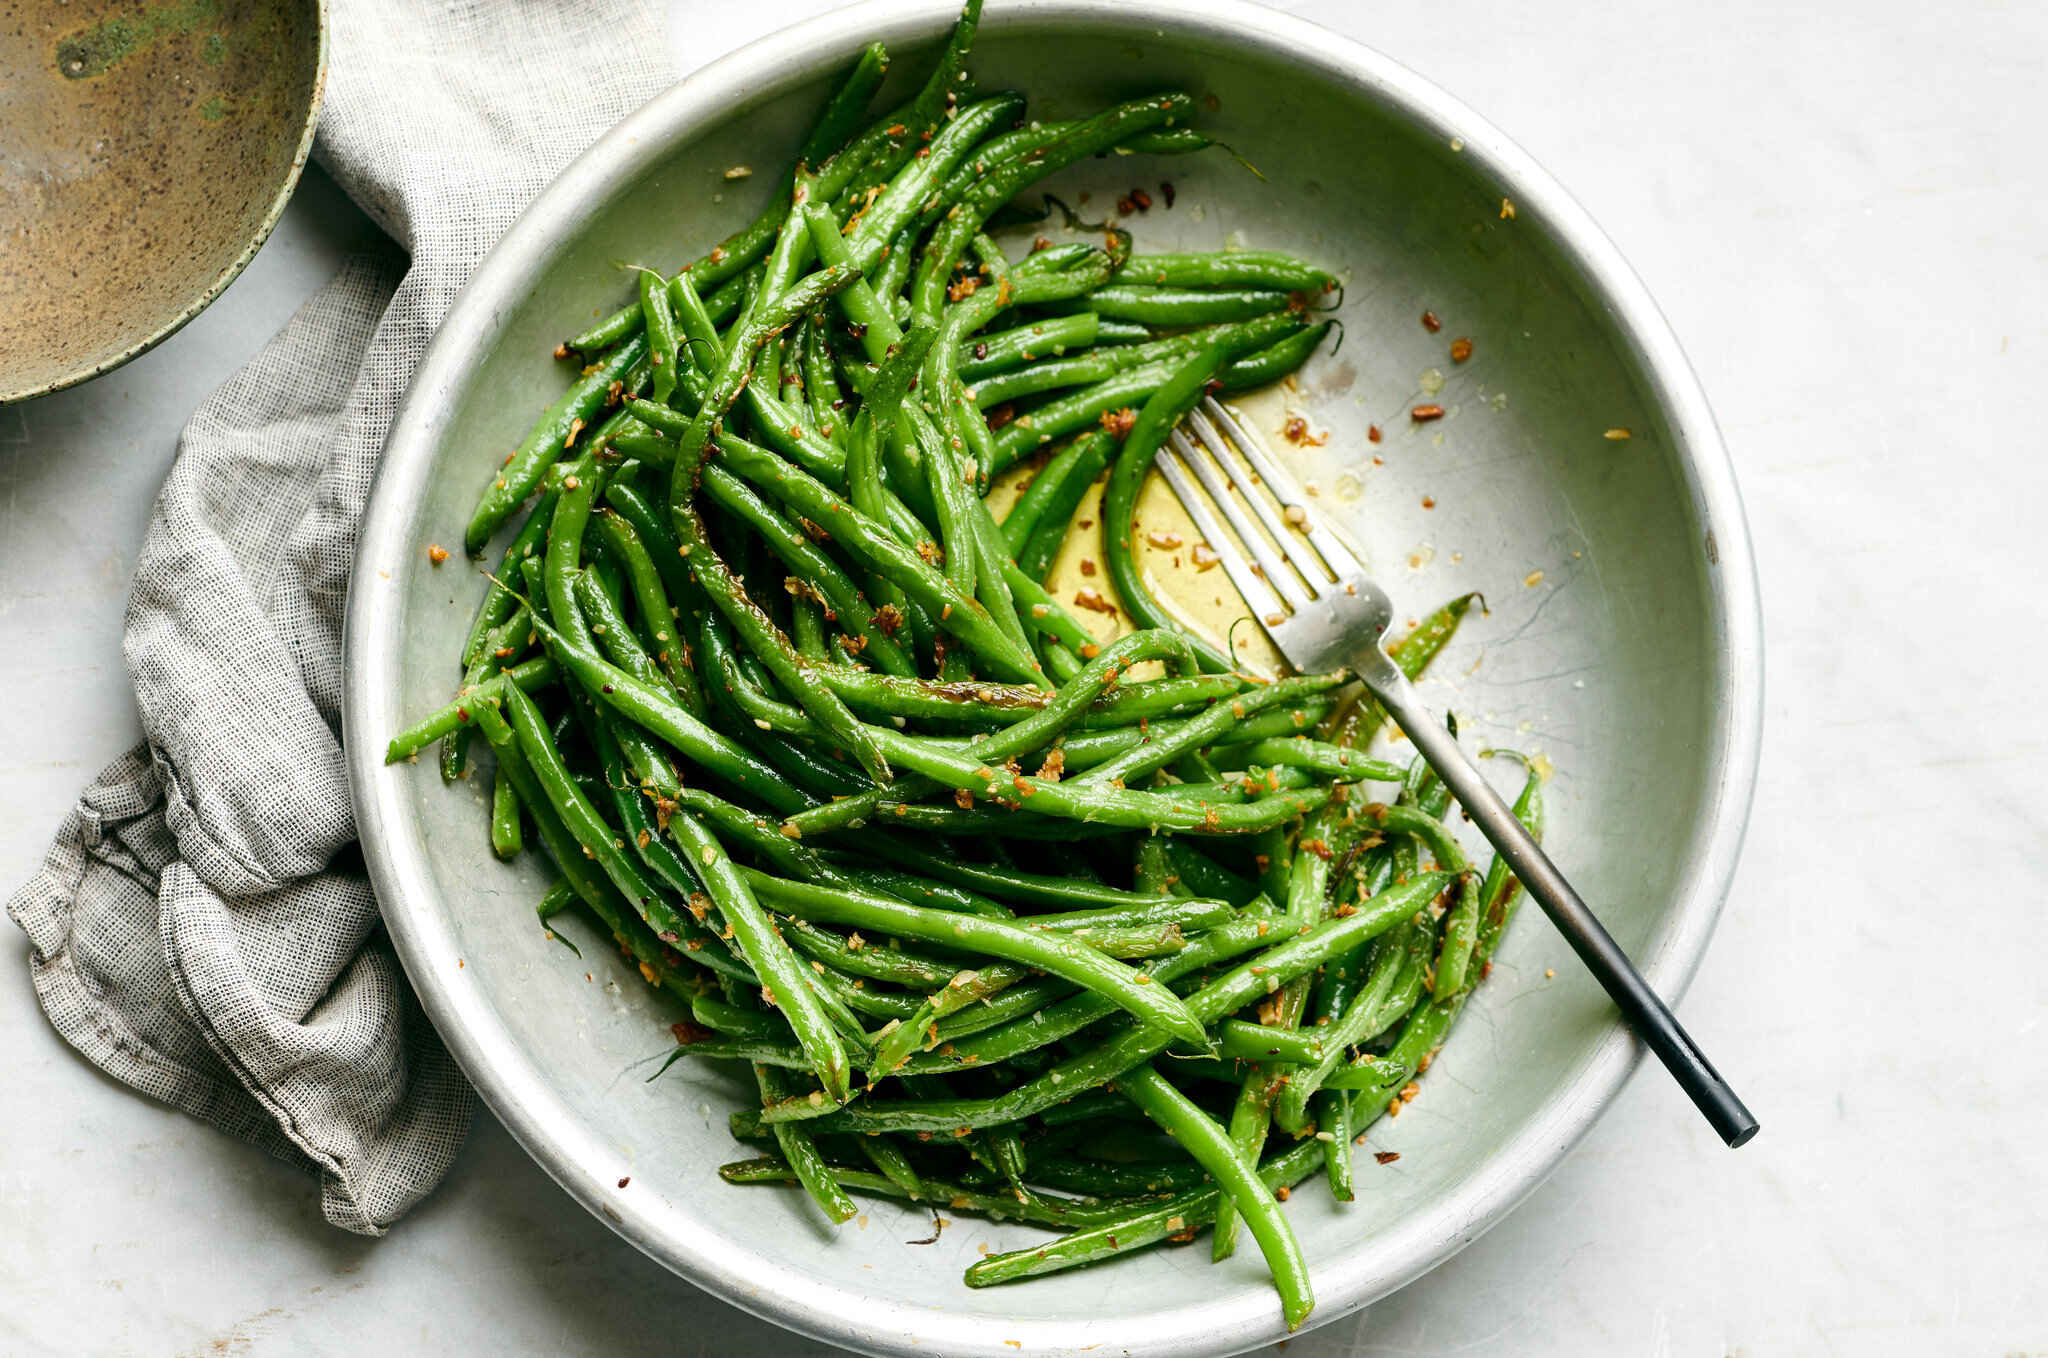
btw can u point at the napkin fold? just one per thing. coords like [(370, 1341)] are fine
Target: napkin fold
[(202, 929)]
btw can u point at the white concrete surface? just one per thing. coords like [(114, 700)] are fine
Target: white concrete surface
[(1844, 210)]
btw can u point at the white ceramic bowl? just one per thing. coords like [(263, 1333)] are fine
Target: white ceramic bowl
[(1633, 662)]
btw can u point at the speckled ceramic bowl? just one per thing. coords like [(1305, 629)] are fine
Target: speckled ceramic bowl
[(147, 151), (1623, 642)]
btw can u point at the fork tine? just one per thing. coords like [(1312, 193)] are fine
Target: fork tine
[(1246, 477), (1216, 479), (1343, 563), (1265, 605)]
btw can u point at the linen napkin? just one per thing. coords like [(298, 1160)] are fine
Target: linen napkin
[(202, 928)]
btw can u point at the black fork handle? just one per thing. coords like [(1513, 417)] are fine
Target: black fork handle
[(1646, 1013)]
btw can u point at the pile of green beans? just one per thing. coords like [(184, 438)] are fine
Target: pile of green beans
[(797, 723)]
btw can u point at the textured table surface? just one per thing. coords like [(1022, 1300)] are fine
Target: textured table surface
[(1841, 210)]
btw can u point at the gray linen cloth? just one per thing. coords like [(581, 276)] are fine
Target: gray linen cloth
[(202, 928)]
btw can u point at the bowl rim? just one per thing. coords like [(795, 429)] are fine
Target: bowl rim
[(553, 1132), (271, 216)]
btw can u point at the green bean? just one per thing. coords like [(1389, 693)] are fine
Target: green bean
[(1353, 1026), (1211, 725), (654, 533), (505, 833), (855, 994), (847, 106), (950, 493), (1004, 181), (1237, 1177), (877, 223), (1103, 1177), (1409, 820), (1121, 332), (555, 433), (1412, 655), (986, 356), (1047, 614), (893, 271), (555, 900), (1462, 924), (641, 829), (910, 126), (1228, 269), (1054, 493), (768, 643), (1151, 305), (883, 1153), (660, 326), (783, 427), (782, 976), (801, 1154), (1162, 411), (745, 1024), (916, 890), (701, 347), (993, 1011), (1186, 912), (1071, 1015), (656, 613), (1142, 1226), (1272, 968), (499, 600), (1333, 1112), (1238, 1041), (865, 539), (813, 568), (530, 675), (821, 382), (1098, 365), (751, 1050), (1204, 876), (1086, 406), (1331, 761), (1251, 1113), (564, 554), (745, 341), (1270, 364), (892, 964), (583, 821), (1057, 1213), (578, 870), (497, 645), (899, 1041), (1052, 952), (1165, 809), (988, 704), (664, 716), (1026, 888)]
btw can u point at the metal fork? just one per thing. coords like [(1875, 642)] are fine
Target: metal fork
[(1327, 614)]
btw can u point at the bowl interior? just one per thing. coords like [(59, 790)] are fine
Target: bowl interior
[(1603, 650), (148, 150)]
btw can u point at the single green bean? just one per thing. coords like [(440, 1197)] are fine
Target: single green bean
[(505, 832), (1151, 305), (1228, 269), (1237, 1177), (1053, 495), (555, 433), (985, 356)]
